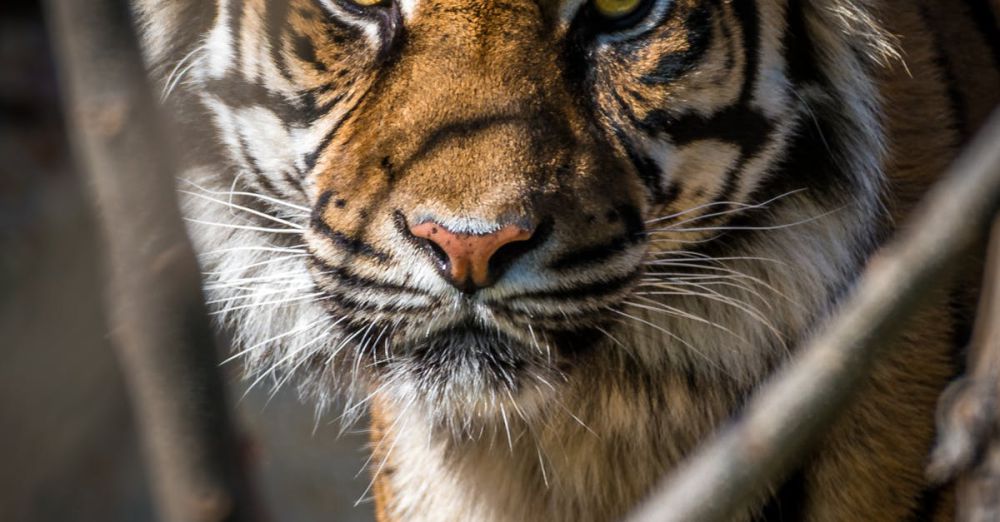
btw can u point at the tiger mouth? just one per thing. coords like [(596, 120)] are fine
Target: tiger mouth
[(476, 341), (479, 359), (480, 326)]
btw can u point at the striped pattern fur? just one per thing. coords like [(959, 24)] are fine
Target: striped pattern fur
[(705, 180)]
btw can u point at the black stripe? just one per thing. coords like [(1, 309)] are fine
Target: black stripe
[(746, 12), (738, 124), (463, 130), (699, 37), (346, 278), (634, 234), (236, 12), (646, 168), (348, 301), (313, 157), (590, 290), (352, 245), (788, 503), (550, 322), (197, 17), (927, 505), (822, 138), (986, 23), (239, 94), (276, 23), (355, 246), (259, 177), (591, 255), (959, 110)]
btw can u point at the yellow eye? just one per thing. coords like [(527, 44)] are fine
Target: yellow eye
[(367, 3), (616, 8)]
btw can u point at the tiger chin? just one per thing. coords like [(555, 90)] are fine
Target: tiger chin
[(551, 246)]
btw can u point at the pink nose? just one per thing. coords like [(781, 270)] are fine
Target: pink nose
[(466, 258)]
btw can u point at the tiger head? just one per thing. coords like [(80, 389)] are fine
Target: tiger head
[(477, 205)]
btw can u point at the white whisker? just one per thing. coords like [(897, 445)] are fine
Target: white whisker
[(177, 73), (670, 310), (254, 265), (267, 303), (271, 340), (248, 210), (742, 227), (675, 337), (262, 197), (280, 250), (245, 227)]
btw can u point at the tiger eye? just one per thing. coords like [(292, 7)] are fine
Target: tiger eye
[(616, 8), (367, 3)]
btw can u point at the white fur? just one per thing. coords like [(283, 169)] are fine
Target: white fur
[(370, 28)]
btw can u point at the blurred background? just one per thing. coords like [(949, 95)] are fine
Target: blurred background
[(68, 450)]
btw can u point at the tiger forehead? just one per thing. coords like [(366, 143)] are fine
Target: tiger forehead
[(497, 14), (546, 7), (557, 12)]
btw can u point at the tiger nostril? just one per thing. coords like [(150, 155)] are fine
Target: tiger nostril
[(470, 261), (438, 253), (507, 254)]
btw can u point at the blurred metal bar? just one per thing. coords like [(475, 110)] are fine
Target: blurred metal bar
[(731, 472), (159, 324)]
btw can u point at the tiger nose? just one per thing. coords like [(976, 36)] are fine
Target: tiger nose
[(473, 261)]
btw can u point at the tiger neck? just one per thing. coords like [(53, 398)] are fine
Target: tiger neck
[(579, 464)]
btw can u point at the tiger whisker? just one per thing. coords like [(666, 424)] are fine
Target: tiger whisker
[(254, 265), (271, 340), (743, 207), (342, 344), (742, 227), (272, 368), (248, 210), (718, 260), (219, 284), (676, 312), (729, 284), (258, 293), (288, 374), (403, 413), (719, 298), (730, 271), (280, 250), (306, 210), (678, 240), (267, 303), (695, 209), (177, 73), (297, 231), (675, 337)]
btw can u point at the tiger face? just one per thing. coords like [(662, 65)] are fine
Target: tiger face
[(473, 205)]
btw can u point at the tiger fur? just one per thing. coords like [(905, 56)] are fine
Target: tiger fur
[(702, 183)]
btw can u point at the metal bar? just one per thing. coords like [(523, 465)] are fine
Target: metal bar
[(159, 325)]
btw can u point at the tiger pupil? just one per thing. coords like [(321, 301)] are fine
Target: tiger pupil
[(616, 8)]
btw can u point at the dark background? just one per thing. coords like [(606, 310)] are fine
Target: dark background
[(68, 450)]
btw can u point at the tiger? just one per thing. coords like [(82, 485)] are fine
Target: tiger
[(548, 247)]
